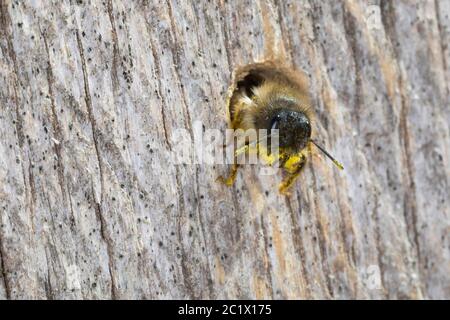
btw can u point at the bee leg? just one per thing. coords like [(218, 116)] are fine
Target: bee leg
[(294, 170), (231, 177), (234, 169)]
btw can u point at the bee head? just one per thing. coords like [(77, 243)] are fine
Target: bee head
[(294, 129)]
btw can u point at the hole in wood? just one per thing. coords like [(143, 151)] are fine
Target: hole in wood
[(253, 75)]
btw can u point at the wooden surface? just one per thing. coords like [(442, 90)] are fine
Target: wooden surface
[(91, 206)]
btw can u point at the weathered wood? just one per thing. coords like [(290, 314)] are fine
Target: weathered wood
[(91, 207)]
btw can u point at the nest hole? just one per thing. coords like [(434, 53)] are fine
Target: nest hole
[(253, 75)]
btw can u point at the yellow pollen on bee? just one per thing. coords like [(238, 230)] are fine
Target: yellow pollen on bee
[(292, 162)]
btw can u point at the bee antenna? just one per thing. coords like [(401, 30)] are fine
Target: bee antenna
[(337, 163)]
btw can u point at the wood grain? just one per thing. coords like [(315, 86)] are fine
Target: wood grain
[(91, 206)]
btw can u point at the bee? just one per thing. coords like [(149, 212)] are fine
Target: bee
[(269, 96)]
